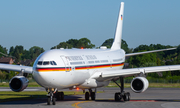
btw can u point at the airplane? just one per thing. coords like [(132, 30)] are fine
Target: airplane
[(85, 69)]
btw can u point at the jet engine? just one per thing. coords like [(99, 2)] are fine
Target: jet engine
[(18, 83), (139, 84)]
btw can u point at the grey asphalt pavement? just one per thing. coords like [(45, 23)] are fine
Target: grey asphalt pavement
[(151, 98)]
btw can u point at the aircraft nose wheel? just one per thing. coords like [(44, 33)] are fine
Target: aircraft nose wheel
[(54, 101), (51, 96), (50, 99)]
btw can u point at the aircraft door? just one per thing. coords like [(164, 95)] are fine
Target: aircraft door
[(66, 62), (110, 61)]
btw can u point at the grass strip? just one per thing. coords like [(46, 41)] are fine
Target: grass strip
[(31, 84)]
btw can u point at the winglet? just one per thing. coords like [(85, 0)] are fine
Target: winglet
[(118, 35)]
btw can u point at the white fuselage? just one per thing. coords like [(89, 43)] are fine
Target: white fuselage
[(68, 68)]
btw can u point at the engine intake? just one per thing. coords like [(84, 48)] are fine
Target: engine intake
[(139, 84), (18, 83)]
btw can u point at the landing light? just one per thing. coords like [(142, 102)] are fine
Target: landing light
[(77, 88)]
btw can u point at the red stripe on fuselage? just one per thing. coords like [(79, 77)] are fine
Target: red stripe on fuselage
[(79, 67)]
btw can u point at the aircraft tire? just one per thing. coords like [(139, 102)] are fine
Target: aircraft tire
[(129, 96), (87, 96), (126, 97), (57, 95), (117, 97), (48, 101), (93, 96), (62, 95), (54, 101)]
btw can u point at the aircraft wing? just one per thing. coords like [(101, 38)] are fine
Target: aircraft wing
[(18, 68), (133, 71), (139, 53)]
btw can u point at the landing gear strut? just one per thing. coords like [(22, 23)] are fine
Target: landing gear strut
[(90, 93), (51, 96), (122, 94)]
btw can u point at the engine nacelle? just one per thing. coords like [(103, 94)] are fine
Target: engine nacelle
[(139, 84), (18, 83)]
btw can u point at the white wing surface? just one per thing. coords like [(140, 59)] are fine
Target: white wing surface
[(134, 71), (18, 68)]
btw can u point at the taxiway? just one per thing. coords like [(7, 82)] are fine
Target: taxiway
[(151, 98)]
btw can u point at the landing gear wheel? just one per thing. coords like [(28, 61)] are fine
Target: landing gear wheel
[(52, 95), (87, 96), (58, 96), (93, 96), (54, 101), (126, 97), (117, 97), (129, 96), (62, 95), (49, 101)]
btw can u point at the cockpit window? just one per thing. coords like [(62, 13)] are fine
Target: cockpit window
[(39, 63), (53, 63), (46, 63)]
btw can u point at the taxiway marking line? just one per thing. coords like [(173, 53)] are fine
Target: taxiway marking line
[(77, 103)]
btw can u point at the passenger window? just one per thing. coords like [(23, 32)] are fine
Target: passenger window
[(46, 63), (39, 63)]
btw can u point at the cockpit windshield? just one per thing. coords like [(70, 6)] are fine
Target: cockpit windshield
[(46, 63), (40, 63)]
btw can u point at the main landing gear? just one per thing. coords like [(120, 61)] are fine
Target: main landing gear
[(90, 93), (54, 95), (122, 94)]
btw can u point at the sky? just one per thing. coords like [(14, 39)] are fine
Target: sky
[(46, 23)]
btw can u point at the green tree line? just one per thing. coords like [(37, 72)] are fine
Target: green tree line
[(75, 43), (152, 59)]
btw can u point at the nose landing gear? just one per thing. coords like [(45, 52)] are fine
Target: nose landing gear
[(54, 95), (51, 96)]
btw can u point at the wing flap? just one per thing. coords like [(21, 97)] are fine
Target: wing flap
[(18, 68)]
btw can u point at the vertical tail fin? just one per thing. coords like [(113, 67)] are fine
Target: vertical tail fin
[(118, 35)]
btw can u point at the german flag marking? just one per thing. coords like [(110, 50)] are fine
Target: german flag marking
[(79, 67)]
